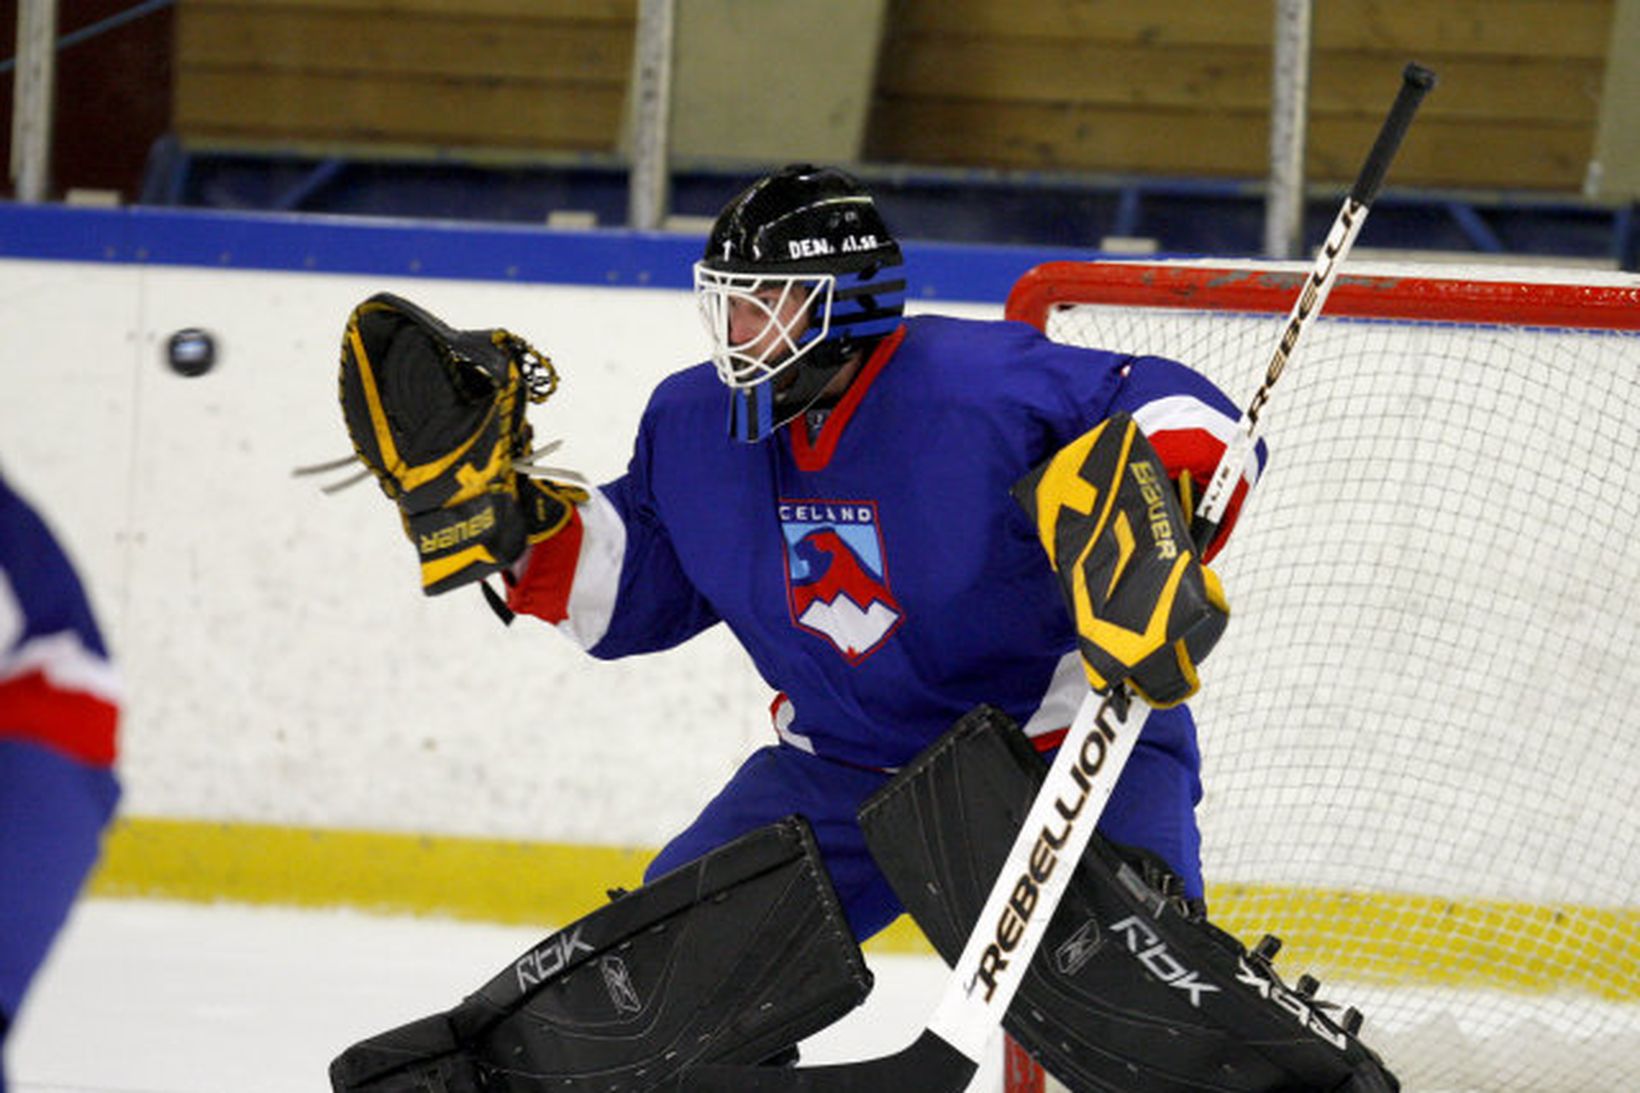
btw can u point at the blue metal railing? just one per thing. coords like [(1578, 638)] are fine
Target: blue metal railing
[(1182, 215)]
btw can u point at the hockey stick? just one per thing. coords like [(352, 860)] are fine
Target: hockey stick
[(1416, 82), (1061, 820)]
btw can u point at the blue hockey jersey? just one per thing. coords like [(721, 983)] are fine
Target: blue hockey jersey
[(57, 687), (879, 574)]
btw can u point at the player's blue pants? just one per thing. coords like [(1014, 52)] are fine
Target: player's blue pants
[(52, 813), (1153, 807)]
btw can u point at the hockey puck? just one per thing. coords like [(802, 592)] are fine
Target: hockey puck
[(191, 352)]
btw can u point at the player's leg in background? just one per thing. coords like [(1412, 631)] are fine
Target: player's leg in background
[(778, 781), (52, 813), (1154, 804)]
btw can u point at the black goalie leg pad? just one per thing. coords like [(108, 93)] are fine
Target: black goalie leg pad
[(730, 959), (1132, 988)]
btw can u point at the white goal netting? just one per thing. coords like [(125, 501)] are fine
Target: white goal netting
[(1421, 733)]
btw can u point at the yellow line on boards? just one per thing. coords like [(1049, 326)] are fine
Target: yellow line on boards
[(1391, 938), (485, 880), (1408, 939), (512, 882)]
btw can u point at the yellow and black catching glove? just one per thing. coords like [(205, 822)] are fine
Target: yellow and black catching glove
[(1146, 610), (437, 415)]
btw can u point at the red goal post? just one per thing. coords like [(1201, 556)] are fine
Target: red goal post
[(1418, 735)]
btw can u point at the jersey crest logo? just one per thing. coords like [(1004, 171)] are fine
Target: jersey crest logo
[(836, 578)]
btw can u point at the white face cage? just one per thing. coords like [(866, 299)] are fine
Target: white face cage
[(787, 315)]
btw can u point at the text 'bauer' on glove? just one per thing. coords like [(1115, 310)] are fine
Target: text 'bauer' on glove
[(437, 415), (1146, 610)]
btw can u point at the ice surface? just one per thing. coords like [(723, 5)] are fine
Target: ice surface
[(155, 997)]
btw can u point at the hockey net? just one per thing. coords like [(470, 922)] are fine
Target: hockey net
[(1421, 733)]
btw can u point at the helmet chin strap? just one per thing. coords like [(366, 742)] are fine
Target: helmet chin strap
[(756, 412)]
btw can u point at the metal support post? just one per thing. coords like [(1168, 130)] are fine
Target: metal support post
[(648, 195), (1289, 98), (31, 99)]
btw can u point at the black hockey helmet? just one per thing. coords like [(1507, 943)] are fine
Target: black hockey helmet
[(806, 249)]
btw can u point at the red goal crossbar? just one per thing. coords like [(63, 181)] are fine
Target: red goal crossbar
[(1224, 288)]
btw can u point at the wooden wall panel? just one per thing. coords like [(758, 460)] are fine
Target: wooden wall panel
[(437, 46), (1155, 87), (611, 11), (1180, 143), (1499, 27), (321, 107), (492, 74), (1183, 87), (1546, 89)]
